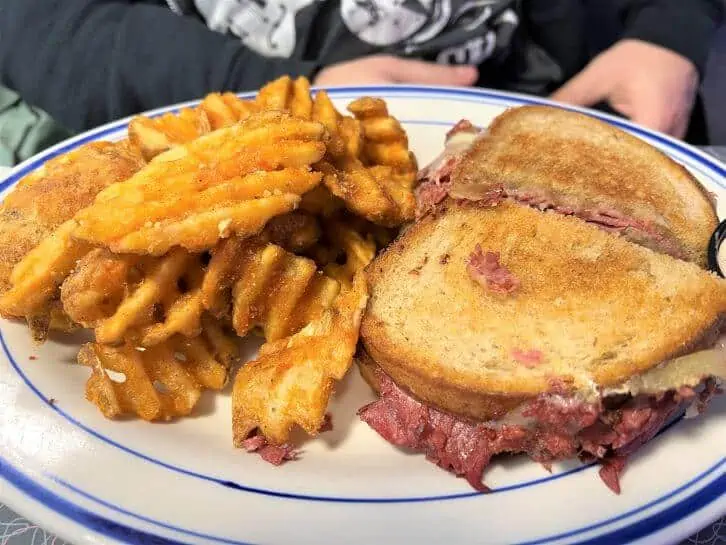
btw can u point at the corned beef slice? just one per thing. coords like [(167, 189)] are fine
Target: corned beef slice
[(274, 454), (485, 268), (435, 183), (561, 428)]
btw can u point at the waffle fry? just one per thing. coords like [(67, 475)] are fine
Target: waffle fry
[(36, 250), (222, 273), (36, 279), (96, 287), (291, 381), (126, 296), (295, 232), (159, 383), (286, 95), (155, 135), (257, 284), (385, 142), (157, 292), (150, 299), (367, 165), (223, 183), (324, 112), (49, 196), (371, 169), (221, 344), (277, 291), (358, 249), (321, 202), (226, 109), (216, 232)]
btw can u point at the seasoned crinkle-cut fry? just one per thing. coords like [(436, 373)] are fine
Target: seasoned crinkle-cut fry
[(226, 109), (221, 275), (183, 311), (145, 298), (277, 291), (291, 381), (158, 383), (362, 194), (35, 280), (258, 284), (384, 140), (222, 345), (202, 230), (223, 183), (359, 251), (158, 287), (286, 95), (96, 287), (155, 135), (295, 232), (320, 201), (369, 166)]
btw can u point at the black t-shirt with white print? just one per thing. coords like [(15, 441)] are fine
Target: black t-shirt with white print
[(108, 60), (478, 32)]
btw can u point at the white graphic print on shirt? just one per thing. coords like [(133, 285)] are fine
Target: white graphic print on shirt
[(265, 26), (413, 23), (452, 31)]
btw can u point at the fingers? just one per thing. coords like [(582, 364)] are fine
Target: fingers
[(680, 128), (592, 86), (585, 89), (414, 71), (389, 69), (653, 119)]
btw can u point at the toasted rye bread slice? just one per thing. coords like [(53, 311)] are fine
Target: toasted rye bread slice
[(579, 162), (599, 308)]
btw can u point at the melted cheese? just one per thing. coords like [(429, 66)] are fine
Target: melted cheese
[(687, 370)]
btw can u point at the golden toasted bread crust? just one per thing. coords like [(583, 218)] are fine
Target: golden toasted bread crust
[(597, 308), (581, 162), (461, 402)]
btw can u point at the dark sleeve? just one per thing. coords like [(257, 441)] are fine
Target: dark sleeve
[(87, 62), (684, 26)]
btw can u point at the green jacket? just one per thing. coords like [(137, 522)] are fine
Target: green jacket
[(24, 129)]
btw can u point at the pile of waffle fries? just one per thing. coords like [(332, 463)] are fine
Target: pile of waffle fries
[(244, 217)]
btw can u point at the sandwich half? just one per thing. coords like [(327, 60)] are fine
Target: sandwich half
[(552, 158), (498, 328)]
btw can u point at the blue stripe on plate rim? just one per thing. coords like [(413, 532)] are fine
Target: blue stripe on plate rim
[(126, 534), (709, 493)]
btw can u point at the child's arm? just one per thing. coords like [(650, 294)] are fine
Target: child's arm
[(87, 62), (685, 27)]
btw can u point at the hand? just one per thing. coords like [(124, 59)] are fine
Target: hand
[(649, 84), (387, 69)]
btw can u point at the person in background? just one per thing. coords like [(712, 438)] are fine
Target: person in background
[(24, 130), (87, 62)]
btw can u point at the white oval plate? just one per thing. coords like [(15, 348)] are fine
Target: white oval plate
[(91, 480)]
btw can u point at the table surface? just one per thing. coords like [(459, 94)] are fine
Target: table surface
[(17, 530)]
